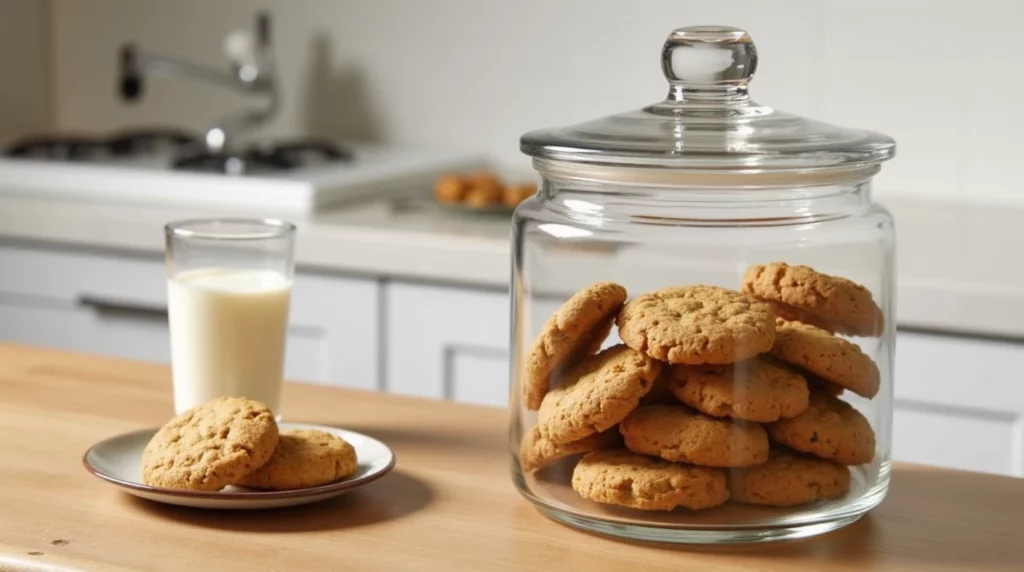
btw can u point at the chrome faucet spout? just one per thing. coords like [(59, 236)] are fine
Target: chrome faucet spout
[(251, 71)]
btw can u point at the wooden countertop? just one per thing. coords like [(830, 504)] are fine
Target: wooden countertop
[(450, 503)]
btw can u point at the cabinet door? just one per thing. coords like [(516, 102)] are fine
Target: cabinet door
[(447, 343), (333, 334), (959, 403)]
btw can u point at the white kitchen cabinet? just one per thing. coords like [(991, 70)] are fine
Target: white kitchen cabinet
[(116, 306), (333, 332), (447, 343), (959, 403)]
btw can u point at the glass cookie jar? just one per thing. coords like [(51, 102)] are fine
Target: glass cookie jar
[(703, 303)]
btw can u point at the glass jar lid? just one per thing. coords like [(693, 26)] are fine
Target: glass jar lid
[(709, 122)]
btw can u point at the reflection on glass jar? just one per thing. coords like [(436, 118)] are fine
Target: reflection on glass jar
[(703, 302)]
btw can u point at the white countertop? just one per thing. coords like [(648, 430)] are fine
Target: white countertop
[(961, 268)]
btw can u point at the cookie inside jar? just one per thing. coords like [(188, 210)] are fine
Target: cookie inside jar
[(714, 403)]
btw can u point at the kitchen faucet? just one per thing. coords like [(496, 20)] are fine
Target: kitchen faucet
[(251, 72)]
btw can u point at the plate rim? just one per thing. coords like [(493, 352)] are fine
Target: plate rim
[(255, 495)]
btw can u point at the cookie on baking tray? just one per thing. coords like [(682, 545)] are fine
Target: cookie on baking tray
[(788, 479), (697, 325), (304, 458), (601, 391), (575, 331), (831, 429), (757, 389), (211, 446), (845, 305), (679, 434), (537, 452), (619, 477), (829, 357)]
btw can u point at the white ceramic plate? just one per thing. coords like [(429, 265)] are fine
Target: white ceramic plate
[(118, 460)]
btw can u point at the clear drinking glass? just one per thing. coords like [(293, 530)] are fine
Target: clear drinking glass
[(229, 285)]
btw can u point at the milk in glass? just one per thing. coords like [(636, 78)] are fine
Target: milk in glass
[(228, 334)]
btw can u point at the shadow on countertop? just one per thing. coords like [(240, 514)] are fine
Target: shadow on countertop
[(915, 527), (392, 497)]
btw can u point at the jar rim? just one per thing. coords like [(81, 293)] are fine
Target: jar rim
[(638, 175)]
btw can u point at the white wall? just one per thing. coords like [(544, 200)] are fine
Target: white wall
[(938, 75), (24, 67)]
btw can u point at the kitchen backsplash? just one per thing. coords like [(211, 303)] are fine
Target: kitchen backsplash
[(939, 76)]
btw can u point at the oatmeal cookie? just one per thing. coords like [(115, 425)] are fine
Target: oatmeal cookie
[(697, 325)]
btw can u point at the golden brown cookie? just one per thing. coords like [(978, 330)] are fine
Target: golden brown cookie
[(450, 189), (838, 301), (516, 194), (829, 357), (787, 312), (831, 429), (575, 331), (478, 196), (815, 383), (536, 452), (697, 325), (485, 179), (682, 435), (304, 458), (619, 477), (755, 390), (604, 388), (789, 479), (210, 446)]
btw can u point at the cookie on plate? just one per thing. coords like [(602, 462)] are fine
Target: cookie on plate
[(831, 429), (842, 303), (619, 477), (829, 357), (537, 452), (789, 479), (575, 331), (603, 389), (305, 458), (515, 194), (483, 196), (697, 325), (450, 189), (210, 446), (754, 390), (682, 435)]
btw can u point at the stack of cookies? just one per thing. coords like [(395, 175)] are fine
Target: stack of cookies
[(715, 394), (482, 189), (235, 441)]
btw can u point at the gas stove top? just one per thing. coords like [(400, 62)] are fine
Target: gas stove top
[(172, 166), (181, 150)]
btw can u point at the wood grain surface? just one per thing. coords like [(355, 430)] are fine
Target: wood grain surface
[(449, 505)]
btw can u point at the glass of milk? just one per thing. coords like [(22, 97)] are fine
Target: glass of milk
[(229, 283)]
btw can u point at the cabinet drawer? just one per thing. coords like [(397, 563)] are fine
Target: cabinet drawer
[(447, 343), (89, 329), (72, 276)]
